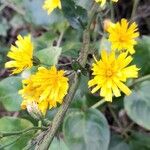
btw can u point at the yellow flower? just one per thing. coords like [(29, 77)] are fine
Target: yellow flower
[(109, 74), (21, 54), (122, 36), (50, 5), (104, 1), (47, 88)]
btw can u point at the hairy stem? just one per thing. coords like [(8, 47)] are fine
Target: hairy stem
[(139, 80), (117, 120), (20, 132), (112, 11), (99, 103), (60, 38), (135, 4), (45, 138)]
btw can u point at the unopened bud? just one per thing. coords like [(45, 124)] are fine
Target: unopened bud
[(32, 108), (107, 23)]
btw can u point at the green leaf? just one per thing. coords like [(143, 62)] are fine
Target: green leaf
[(72, 44), (77, 15), (36, 15), (117, 143), (86, 4), (142, 55), (9, 96), (44, 40), (80, 100), (139, 141), (137, 105), (12, 124), (86, 130), (49, 56), (71, 48), (58, 144)]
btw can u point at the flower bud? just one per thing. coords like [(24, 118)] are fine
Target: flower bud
[(32, 108), (107, 23)]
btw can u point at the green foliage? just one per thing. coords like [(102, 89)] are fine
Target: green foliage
[(49, 56), (86, 4), (142, 55), (137, 105), (139, 141), (58, 144), (12, 124), (37, 16), (9, 96), (86, 130), (118, 143), (77, 15), (44, 41), (83, 128)]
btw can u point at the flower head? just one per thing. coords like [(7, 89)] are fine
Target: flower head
[(50, 5), (122, 36), (109, 74), (47, 88), (21, 54), (104, 1)]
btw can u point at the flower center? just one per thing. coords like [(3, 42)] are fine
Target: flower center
[(122, 38), (109, 73)]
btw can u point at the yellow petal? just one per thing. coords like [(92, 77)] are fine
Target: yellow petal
[(115, 90), (108, 95), (123, 87), (95, 89)]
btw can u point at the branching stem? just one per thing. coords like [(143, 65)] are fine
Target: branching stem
[(21, 132), (44, 140)]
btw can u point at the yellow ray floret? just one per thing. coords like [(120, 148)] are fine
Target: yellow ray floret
[(109, 74), (122, 35), (47, 88), (50, 5), (21, 54), (102, 2)]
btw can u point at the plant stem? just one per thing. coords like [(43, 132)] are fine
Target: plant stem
[(128, 128), (135, 4), (92, 15), (142, 79), (60, 38), (45, 138), (20, 132), (12, 142), (117, 121), (99, 103), (112, 11)]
